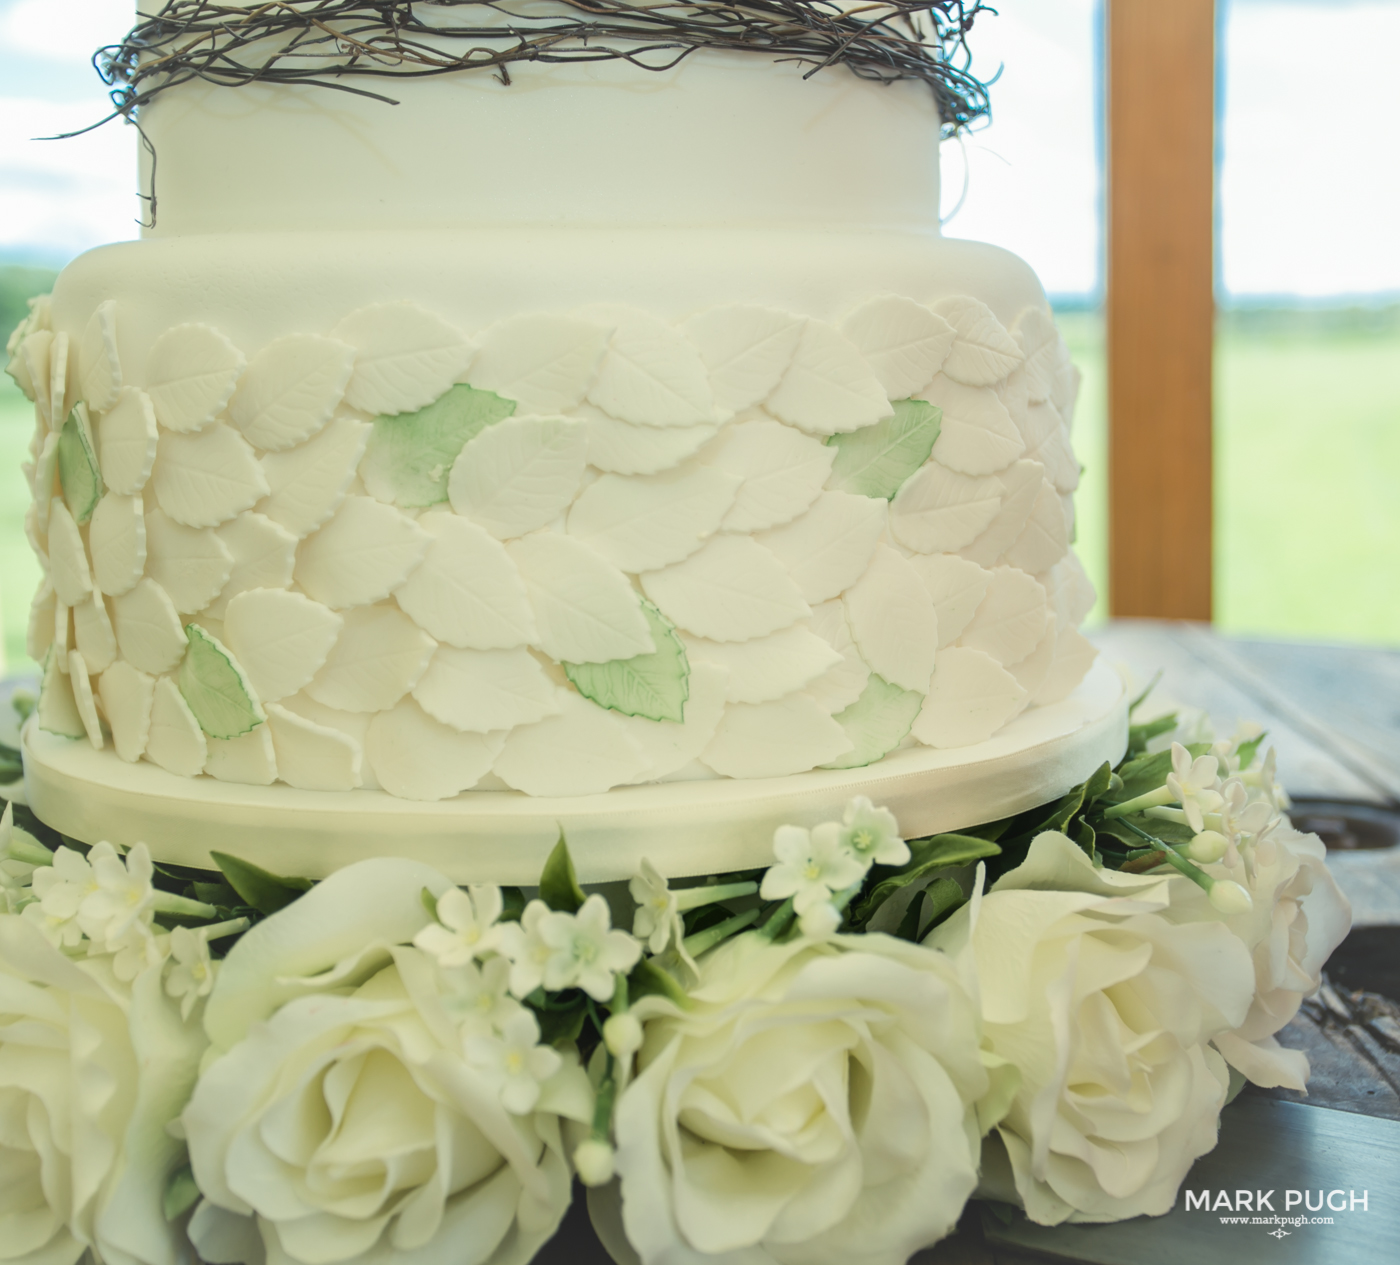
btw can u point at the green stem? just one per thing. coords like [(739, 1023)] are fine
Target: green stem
[(1175, 859), (182, 906), (1150, 800), (702, 940), (778, 921), (233, 927), (619, 997), (695, 897), (603, 1103), (25, 847)]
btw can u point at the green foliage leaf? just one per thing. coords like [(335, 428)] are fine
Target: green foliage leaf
[(654, 685), (937, 852), (259, 888), (560, 1024), (410, 455), (877, 722), (1142, 698), (77, 466), (559, 887), (648, 979), (429, 903), (1079, 797), (876, 460), (1148, 772), (513, 900), (1248, 750), (943, 896), (214, 686), (1140, 735), (181, 1194)]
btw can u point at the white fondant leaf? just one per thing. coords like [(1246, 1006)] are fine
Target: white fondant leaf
[(585, 609), (149, 633), (39, 632), (621, 448), (308, 482), (1031, 672), (766, 668), (1057, 456), (101, 371), (378, 658), (640, 524), (1045, 538), (191, 374), (903, 342), (1035, 333), (828, 387), (58, 710), (893, 621), (405, 357), (311, 756), (877, 460), (1074, 656), (877, 722), (652, 375), (957, 588), (983, 352), (669, 746), (1010, 620), (467, 591), (409, 456), (519, 474), (782, 472), (826, 549), (127, 695), (213, 683), (117, 537), (1071, 591), (290, 389), (77, 465), (480, 691), (82, 695), (190, 563), (68, 563), (542, 361), (126, 438), (264, 557), (31, 370), (654, 686), (938, 511), (176, 742), (775, 739), (977, 435), (365, 552), (1040, 422), (416, 757), (1064, 394), (92, 632), (733, 589), (206, 478), (62, 633), (59, 373), (354, 725), (45, 475), (580, 750), (280, 638), (249, 759), (1021, 483), (746, 350), (970, 697)]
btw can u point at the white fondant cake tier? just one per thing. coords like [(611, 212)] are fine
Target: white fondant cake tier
[(503, 837)]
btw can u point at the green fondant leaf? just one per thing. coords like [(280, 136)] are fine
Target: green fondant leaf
[(559, 887), (875, 460), (654, 685), (259, 888), (213, 684), (77, 465), (877, 722), (410, 455), (926, 856)]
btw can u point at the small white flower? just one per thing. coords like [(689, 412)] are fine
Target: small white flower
[(478, 996), (515, 1062), (872, 834), (60, 890), (658, 917), (820, 921), (16, 876), (1195, 784), (133, 951), (123, 899), (466, 927), (812, 865), (521, 943), (191, 974), (585, 950)]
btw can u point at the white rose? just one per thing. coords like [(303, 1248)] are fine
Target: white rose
[(1299, 916), (1107, 1009), (814, 1104), (345, 1119), (92, 1070)]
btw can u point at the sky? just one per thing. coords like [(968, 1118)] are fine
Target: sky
[(1307, 202)]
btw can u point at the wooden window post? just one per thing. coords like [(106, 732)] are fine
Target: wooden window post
[(1161, 304)]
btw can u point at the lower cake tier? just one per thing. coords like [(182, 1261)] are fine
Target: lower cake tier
[(683, 828), (548, 511)]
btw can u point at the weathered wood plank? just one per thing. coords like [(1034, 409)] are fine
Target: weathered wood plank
[(1160, 304)]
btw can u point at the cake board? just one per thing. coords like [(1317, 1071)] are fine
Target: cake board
[(683, 828)]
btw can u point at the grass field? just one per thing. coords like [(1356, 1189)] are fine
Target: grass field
[(1307, 463)]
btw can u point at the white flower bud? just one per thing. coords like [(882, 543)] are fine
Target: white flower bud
[(593, 1160), (622, 1034), (1229, 897), (1207, 847), (821, 921)]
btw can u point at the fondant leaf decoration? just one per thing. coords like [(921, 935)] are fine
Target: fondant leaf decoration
[(190, 563), (410, 455), (406, 357), (101, 374), (957, 588), (250, 759), (983, 352), (746, 349), (940, 511), (765, 668), (77, 465), (970, 697), (669, 745), (42, 612), (280, 639), (893, 620), (309, 482), (875, 461), (653, 376), (622, 448), (58, 711), (1074, 656), (782, 472), (214, 685), (81, 682), (414, 756), (1011, 618), (790, 735), (290, 389), (977, 435), (58, 378), (479, 691), (1045, 538), (148, 628), (127, 437), (543, 361), (117, 538), (175, 742), (310, 756), (190, 376), (581, 750), (378, 658), (902, 341), (206, 478), (264, 557), (1021, 483), (68, 563), (652, 685), (127, 694), (92, 630), (520, 474), (877, 722), (828, 387), (365, 552), (45, 471), (827, 548)]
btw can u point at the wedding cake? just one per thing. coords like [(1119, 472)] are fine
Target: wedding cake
[(602, 428)]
